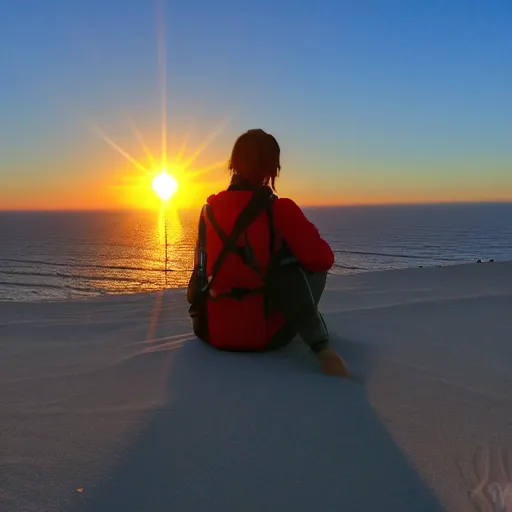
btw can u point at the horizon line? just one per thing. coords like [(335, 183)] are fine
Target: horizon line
[(311, 206)]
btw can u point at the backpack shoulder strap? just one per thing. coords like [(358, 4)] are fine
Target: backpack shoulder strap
[(198, 276), (271, 226)]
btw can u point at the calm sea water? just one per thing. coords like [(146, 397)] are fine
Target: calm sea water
[(53, 256)]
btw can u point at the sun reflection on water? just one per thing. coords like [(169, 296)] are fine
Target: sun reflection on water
[(128, 252)]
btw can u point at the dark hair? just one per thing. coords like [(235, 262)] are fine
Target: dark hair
[(255, 158)]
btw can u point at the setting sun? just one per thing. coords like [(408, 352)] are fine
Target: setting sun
[(165, 186)]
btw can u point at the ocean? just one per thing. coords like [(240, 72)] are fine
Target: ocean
[(68, 255)]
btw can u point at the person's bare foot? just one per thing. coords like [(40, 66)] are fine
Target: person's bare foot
[(332, 363)]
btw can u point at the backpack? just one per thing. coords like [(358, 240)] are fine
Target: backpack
[(200, 284)]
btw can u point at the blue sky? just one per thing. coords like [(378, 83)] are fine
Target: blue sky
[(369, 99)]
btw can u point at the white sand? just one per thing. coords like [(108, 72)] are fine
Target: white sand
[(115, 397)]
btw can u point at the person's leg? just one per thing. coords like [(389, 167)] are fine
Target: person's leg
[(297, 293)]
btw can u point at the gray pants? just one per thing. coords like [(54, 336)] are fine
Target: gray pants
[(297, 292)]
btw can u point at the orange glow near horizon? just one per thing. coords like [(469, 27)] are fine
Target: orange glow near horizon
[(199, 172), (153, 179), (129, 187)]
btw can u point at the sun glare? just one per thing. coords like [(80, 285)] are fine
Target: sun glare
[(165, 186), (187, 184)]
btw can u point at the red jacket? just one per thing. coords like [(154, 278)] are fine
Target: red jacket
[(243, 324)]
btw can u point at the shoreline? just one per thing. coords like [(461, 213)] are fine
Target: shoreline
[(331, 276)]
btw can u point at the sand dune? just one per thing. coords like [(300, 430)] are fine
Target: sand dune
[(112, 404)]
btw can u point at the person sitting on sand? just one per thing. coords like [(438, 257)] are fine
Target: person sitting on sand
[(260, 265)]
